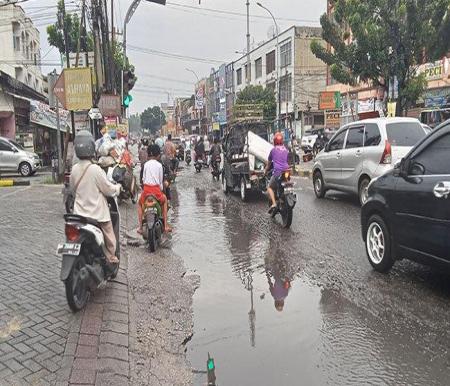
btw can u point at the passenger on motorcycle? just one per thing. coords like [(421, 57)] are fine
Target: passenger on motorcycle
[(278, 162), (153, 180), (90, 185), (216, 150)]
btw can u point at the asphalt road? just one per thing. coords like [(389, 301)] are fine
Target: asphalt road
[(277, 306)]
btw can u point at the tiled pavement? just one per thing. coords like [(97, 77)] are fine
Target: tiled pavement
[(41, 341)]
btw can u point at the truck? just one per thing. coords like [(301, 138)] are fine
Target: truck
[(246, 150)]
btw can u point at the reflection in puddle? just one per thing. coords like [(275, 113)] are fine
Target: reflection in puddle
[(265, 323)]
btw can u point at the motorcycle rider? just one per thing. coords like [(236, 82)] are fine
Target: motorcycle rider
[(153, 180), (91, 187), (278, 161), (170, 153), (199, 150), (143, 151), (215, 151)]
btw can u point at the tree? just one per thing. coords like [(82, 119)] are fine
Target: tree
[(153, 119), (258, 95), (375, 41), (55, 33), (134, 123)]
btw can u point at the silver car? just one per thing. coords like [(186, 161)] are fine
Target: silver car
[(361, 151), (14, 158)]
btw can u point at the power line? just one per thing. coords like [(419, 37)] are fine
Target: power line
[(224, 12)]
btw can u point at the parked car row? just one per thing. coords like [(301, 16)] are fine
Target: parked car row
[(14, 158), (401, 173)]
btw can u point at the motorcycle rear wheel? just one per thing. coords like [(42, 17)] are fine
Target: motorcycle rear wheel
[(151, 238), (286, 217), (77, 291)]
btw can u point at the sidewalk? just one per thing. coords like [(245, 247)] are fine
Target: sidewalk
[(304, 169)]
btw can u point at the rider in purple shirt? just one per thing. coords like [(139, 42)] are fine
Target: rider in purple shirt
[(278, 157)]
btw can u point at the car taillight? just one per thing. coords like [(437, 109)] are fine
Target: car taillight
[(72, 232), (386, 158)]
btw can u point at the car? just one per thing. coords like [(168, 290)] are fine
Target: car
[(427, 128), (14, 158), (309, 139), (361, 151), (407, 213)]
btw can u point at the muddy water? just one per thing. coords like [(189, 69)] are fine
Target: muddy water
[(264, 322)]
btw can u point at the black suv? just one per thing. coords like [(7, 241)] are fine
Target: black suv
[(407, 214)]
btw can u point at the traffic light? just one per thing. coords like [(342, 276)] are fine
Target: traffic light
[(127, 100), (129, 79)]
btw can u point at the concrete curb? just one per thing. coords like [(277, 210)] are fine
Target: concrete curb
[(8, 183)]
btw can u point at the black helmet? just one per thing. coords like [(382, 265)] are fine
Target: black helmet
[(84, 145)]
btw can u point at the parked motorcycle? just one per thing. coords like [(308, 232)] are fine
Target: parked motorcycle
[(188, 157), (286, 199), (215, 168), (84, 266)]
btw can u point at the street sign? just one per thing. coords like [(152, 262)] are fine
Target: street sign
[(329, 100), (59, 90), (74, 89), (110, 105), (95, 114)]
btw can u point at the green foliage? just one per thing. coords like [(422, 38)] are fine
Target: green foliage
[(153, 119), (376, 40), (55, 34), (134, 123), (258, 95)]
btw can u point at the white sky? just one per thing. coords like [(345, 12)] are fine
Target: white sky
[(194, 32)]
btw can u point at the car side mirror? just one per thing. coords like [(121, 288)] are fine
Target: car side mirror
[(400, 168), (416, 169), (326, 149)]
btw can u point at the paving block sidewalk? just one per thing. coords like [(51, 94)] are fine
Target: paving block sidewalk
[(96, 352)]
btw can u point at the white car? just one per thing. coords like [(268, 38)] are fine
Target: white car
[(14, 158), (308, 140), (362, 151)]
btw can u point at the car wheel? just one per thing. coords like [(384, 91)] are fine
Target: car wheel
[(244, 191), (25, 169), (364, 190), (225, 188), (378, 244), (319, 186)]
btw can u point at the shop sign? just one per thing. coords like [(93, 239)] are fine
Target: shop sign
[(41, 114), (432, 71), (110, 105), (329, 100), (332, 119), (74, 89)]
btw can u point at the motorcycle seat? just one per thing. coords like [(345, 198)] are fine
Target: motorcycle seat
[(81, 219)]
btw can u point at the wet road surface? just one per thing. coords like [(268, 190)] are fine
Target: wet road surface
[(302, 306)]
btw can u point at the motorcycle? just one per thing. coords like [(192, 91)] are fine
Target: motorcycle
[(68, 195), (285, 198), (152, 223), (84, 266), (215, 168), (188, 157), (199, 164), (180, 153)]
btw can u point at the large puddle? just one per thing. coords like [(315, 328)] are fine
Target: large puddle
[(266, 323)]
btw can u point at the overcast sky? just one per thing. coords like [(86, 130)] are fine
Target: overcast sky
[(185, 28)]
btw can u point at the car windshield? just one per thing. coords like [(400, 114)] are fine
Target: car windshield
[(17, 145), (405, 133)]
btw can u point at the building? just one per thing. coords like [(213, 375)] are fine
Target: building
[(24, 111), (300, 74), (364, 100)]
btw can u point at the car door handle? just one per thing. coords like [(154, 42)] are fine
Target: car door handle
[(358, 153), (338, 155), (442, 189)]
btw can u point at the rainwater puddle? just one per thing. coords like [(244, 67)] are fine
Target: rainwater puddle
[(265, 323)]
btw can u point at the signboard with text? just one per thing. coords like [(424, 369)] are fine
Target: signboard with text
[(74, 89), (329, 100), (333, 119), (110, 105)]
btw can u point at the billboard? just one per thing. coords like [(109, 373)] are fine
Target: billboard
[(74, 89), (41, 114)]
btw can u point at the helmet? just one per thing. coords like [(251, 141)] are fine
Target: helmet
[(144, 141), (84, 145), (278, 139)]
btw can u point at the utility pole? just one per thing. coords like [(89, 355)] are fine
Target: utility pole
[(248, 75)]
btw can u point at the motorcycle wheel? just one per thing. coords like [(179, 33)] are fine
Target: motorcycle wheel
[(151, 238), (286, 217), (77, 291), (69, 204)]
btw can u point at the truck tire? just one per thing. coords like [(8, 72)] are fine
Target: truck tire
[(244, 190)]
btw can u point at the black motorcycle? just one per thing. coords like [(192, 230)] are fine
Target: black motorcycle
[(188, 157), (125, 176), (152, 223), (199, 164), (84, 266), (215, 168), (286, 199)]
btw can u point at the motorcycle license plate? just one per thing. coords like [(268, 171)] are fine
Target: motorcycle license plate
[(69, 249), (289, 190)]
